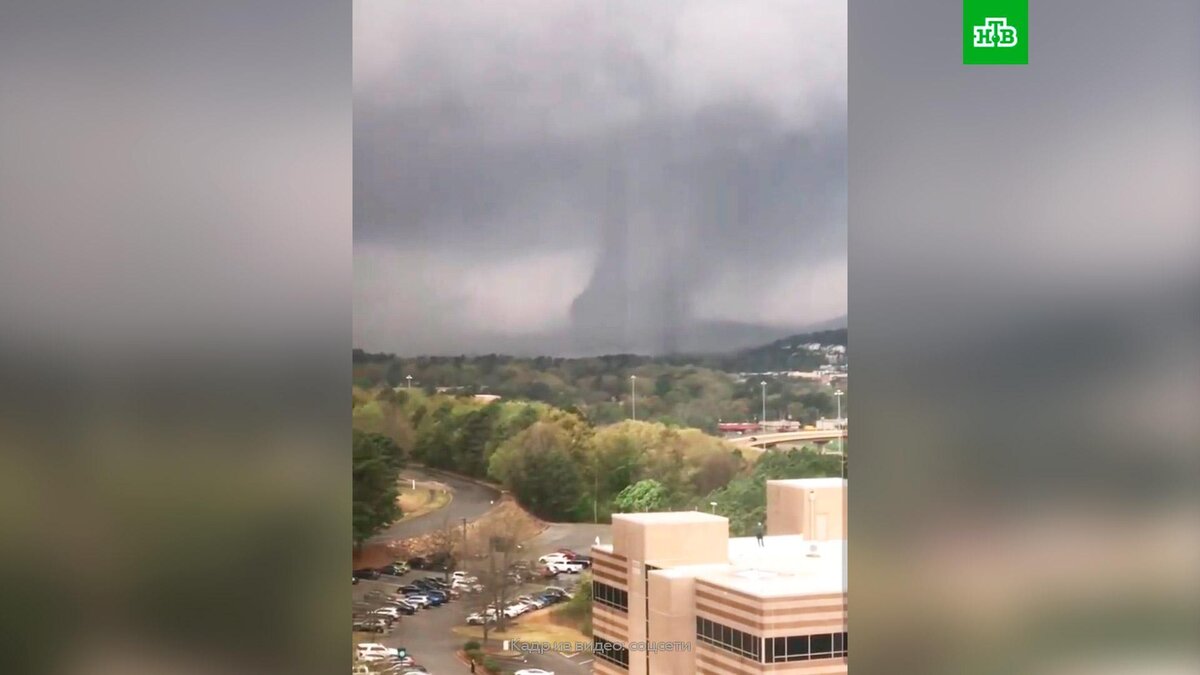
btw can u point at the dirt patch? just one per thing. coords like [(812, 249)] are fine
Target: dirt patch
[(507, 517), (539, 626), (425, 498)]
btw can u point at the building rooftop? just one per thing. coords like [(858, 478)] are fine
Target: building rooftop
[(783, 567), (670, 517), (811, 483)]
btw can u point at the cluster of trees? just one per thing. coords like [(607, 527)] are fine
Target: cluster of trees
[(744, 500), (687, 391), (561, 465), (377, 460)]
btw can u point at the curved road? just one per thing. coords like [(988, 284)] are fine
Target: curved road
[(471, 500)]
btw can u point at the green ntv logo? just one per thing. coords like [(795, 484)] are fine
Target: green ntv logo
[(995, 31)]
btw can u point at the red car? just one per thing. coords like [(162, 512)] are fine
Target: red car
[(567, 552)]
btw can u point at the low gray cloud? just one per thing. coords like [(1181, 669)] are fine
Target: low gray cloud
[(597, 177)]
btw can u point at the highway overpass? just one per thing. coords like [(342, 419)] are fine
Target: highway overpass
[(772, 439)]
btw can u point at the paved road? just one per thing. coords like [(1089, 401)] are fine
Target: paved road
[(471, 500)]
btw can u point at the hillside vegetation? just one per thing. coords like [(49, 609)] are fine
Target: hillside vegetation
[(682, 391), (562, 466)]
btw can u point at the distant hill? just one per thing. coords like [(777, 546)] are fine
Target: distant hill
[(784, 354)]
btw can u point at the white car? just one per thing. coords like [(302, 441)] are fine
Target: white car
[(553, 558), (566, 566), (534, 671), (374, 650), (421, 601), (515, 610)]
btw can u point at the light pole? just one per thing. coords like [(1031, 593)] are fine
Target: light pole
[(633, 396), (764, 398), (812, 508), (838, 394), (714, 506), (409, 378)]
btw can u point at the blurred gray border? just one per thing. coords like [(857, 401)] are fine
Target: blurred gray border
[(1024, 277)]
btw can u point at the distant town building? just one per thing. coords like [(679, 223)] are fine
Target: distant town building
[(487, 398), (831, 424)]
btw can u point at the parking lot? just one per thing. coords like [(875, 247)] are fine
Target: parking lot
[(428, 636)]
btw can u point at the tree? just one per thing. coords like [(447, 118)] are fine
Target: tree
[(744, 500), (498, 535), (539, 467), (376, 463), (642, 496)]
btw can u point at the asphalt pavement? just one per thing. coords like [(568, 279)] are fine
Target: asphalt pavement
[(471, 500), (428, 635)]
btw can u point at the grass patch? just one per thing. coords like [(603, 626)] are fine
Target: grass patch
[(423, 500), (536, 626)]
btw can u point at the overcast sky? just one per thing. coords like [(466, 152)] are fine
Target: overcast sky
[(582, 177)]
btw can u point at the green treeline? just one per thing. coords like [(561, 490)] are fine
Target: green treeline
[(684, 391), (563, 466)]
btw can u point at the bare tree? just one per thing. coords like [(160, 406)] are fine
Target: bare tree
[(443, 544), (500, 535)]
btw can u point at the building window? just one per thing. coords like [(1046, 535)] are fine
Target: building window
[(806, 647), (610, 651), (613, 597), (733, 640)]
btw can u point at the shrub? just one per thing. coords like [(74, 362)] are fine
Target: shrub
[(471, 646)]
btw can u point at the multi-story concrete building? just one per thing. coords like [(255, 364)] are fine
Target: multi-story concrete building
[(675, 595)]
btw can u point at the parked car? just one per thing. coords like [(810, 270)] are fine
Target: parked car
[(533, 671), (371, 625), (418, 563), (395, 569), (478, 619), (558, 592), (421, 601), (568, 567), (366, 574), (585, 560), (367, 649), (403, 606), (409, 588), (553, 558)]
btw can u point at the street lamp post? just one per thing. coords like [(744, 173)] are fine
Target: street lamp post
[(633, 396), (812, 520), (764, 401), (409, 378), (714, 506), (838, 394)]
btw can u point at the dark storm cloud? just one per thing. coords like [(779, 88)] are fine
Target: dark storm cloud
[(665, 146)]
